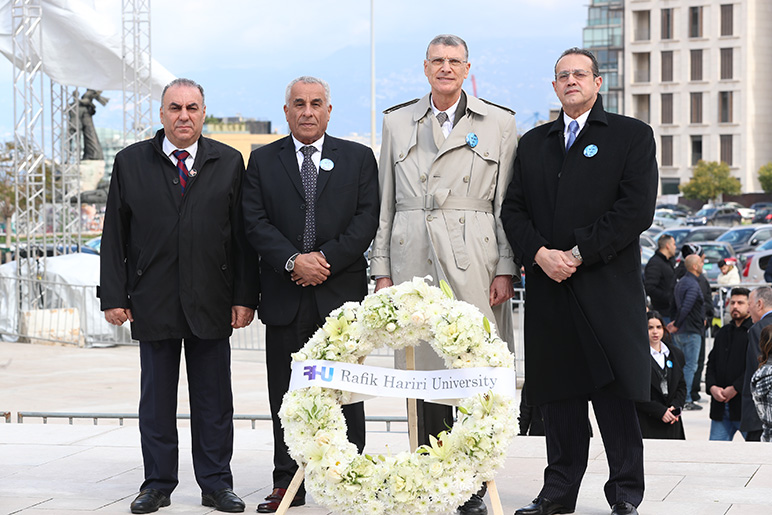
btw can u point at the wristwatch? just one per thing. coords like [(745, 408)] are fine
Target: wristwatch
[(290, 266), (575, 252)]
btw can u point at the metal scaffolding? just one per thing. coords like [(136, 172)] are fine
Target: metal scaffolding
[(30, 166), (137, 78)]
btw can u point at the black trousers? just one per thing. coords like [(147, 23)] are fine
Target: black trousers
[(280, 343), (568, 444), (208, 364)]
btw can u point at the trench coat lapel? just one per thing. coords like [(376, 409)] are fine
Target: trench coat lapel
[(464, 125), (290, 163)]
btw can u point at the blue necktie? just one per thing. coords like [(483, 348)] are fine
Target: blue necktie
[(573, 128)]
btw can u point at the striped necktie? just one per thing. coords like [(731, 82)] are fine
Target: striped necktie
[(182, 169)]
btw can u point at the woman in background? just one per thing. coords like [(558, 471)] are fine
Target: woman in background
[(661, 416), (761, 385)]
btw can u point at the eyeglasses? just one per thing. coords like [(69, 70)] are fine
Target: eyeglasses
[(578, 75), (439, 61)]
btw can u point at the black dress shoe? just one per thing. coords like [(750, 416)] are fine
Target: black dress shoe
[(474, 506), (275, 498), (223, 500), (623, 508), (542, 506), (149, 500)]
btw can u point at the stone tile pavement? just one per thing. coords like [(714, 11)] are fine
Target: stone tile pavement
[(63, 469)]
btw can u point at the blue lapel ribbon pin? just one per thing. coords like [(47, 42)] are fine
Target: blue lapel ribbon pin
[(590, 150), (471, 139), (669, 364), (326, 164)]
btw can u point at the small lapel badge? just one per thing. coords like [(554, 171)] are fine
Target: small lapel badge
[(192, 173), (590, 150), (471, 139), (326, 164)]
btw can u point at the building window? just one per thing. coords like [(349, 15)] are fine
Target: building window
[(641, 63), (642, 25), (671, 186), (667, 66), (641, 105), (726, 148), (695, 22), (727, 63), (696, 149), (667, 108), (667, 24), (725, 106), (696, 68), (727, 20), (696, 107), (667, 151)]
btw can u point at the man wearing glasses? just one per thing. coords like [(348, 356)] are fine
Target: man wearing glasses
[(445, 164), (583, 190)]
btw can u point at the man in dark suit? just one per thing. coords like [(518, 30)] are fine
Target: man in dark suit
[(584, 189), (311, 210), (176, 264), (760, 301)]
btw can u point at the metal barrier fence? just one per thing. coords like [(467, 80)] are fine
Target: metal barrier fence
[(70, 314)]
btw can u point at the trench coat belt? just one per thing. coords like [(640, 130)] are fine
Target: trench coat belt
[(430, 203), (455, 230)]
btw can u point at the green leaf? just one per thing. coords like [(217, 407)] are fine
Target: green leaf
[(487, 325), (445, 287)]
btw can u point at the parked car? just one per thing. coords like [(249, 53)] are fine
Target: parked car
[(747, 237), (761, 205), (754, 264), (653, 232), (684, 235), (681, 208), (95, 244), (647, 242), (745, 212), (668, 218), (724, 215), (715, 251), (763, 216)]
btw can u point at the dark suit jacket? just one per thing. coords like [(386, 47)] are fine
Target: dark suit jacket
[(750, 418), (347, 208), (179, 262), (588, 332), (650, 413), (726, 366)]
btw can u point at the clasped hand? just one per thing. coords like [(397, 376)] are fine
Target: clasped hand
[(311, 269), (559, 265)]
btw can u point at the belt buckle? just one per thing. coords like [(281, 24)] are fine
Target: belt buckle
[(428, 202)]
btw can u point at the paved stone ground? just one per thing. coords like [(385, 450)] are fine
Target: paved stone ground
[(62, 469)]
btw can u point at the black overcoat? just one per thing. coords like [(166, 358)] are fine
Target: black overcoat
[(588, 332), (347, 208), (179, 262), (650, 413)]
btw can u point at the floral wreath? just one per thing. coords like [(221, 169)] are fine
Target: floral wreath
[(438, 477)]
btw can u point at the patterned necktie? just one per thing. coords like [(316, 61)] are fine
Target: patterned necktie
[(308, 175), (442, 117), (573, 128), (181, 156)]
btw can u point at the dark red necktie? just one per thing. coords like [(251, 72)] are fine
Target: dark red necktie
[(181, 156)]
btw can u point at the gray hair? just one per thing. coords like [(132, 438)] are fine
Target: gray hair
[(584, 52), (765, 294), (307, 79), (448, 40), (183, 82)]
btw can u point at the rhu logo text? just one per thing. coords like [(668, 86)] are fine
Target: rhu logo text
[(325, 373)]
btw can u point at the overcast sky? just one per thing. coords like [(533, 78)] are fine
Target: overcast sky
[(244, 52)]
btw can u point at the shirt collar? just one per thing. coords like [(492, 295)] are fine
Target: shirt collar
[(664, 352), (316, 144), (450, 111), (168, 148), (581, 120)]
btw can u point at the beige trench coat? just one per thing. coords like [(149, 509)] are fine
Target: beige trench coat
[(440, 205)]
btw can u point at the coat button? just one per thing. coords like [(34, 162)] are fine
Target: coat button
[(139, 271), (486, 154), (223, 267), (176, 180), (466, 178), (461, 220), (423, 177), (302, 206), (401, 155), (429, 218), (429, 261), (401, 242), (485, 239), (300, 237)]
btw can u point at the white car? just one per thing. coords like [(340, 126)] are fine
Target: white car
[(746, 212)]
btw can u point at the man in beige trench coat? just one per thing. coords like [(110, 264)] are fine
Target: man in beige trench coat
[(446, 161)]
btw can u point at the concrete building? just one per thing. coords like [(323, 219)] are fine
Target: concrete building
[(604, 35), (699, 72)]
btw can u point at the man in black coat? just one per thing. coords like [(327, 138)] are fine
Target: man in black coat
[(311, 210), (726, 368), (584, 189), (760, 301), (175, 263), (659, 276)]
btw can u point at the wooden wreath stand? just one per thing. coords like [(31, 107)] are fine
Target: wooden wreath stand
[(412, 427)]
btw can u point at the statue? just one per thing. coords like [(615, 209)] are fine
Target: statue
[(81, 118)]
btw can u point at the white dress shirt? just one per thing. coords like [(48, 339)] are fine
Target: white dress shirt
[(168, 148), (316, 157), (451, 112)]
